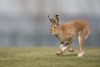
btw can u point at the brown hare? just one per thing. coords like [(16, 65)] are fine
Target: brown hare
[(67, 31)]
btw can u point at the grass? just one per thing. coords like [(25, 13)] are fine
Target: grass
[(45, 57)]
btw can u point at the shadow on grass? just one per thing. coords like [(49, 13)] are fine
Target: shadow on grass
[(71, 55)]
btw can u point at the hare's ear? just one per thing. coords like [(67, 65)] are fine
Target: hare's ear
[(57, 18), (50, 18)]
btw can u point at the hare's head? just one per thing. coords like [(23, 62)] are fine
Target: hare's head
[(54, 28)]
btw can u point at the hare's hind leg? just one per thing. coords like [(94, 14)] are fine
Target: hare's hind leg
[(82, 37), (81, 43)]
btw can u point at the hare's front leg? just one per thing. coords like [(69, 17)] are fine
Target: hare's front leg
[(62, 49), (69, 48)]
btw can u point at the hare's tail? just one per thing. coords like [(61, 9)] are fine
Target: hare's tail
[(87, 32)]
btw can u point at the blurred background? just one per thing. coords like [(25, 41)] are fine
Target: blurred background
[(25, 23)]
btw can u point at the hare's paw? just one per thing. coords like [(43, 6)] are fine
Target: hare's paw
[(80, 54), (58, 53), (71, 50)]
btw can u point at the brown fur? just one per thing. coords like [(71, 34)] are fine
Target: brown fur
[(67, 31)]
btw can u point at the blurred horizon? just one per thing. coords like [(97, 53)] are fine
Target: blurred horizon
[(25, 23)]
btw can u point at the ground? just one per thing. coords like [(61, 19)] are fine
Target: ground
[(45, 57)]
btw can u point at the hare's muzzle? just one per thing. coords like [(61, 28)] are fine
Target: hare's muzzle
[(51, 32)]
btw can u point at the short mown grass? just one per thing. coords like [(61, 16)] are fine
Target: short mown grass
[(45, 57)]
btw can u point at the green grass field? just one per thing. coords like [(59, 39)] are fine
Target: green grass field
[(45, 57)]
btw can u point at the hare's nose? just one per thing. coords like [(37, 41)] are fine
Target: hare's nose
[(49, 31)]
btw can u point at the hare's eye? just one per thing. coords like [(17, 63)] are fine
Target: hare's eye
[(54, 27)]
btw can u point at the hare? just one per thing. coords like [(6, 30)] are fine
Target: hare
[(67, 31)]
